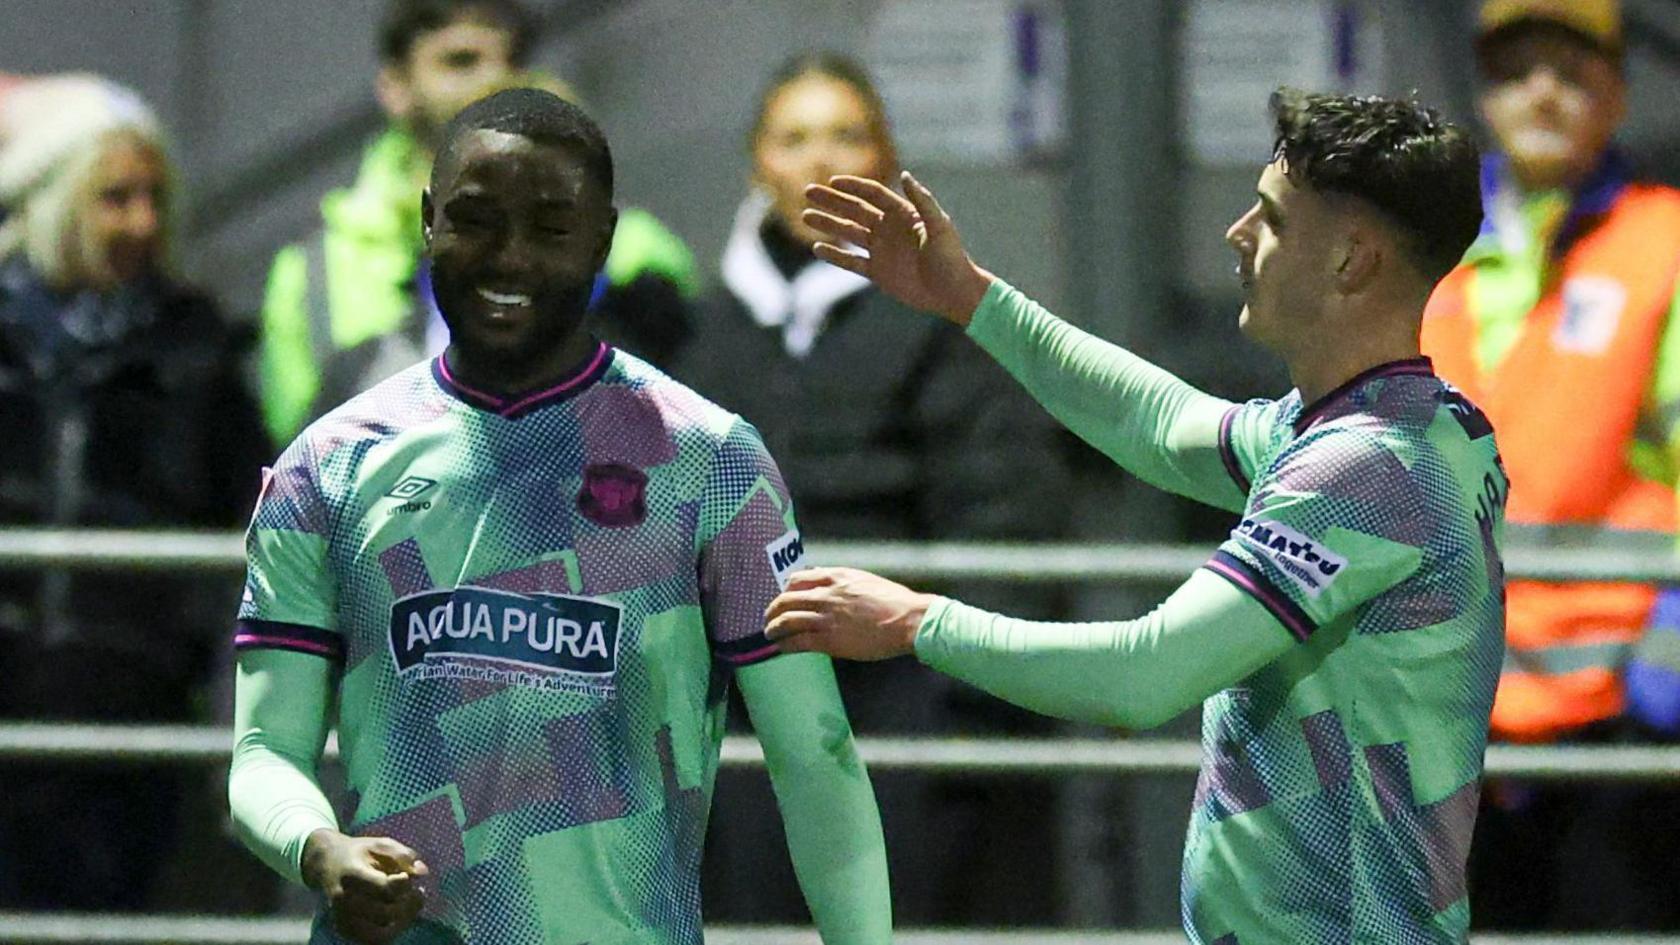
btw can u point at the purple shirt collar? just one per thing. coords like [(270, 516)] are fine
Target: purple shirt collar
[(1315, 411), (591, 369)]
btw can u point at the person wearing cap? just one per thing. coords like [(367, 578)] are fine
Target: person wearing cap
[(1560, 323), (351, 304), (122, 406)]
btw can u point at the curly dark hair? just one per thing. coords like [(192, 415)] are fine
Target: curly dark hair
[(1422, 172)]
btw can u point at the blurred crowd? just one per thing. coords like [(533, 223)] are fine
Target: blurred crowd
[(129, 399)]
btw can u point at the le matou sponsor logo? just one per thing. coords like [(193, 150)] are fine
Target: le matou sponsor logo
[(548, 641), (1310, 565)]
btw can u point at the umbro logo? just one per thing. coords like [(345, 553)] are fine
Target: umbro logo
[(411, 488)]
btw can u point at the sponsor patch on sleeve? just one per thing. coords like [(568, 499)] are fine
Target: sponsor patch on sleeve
[(787, 555), (1307, 563)]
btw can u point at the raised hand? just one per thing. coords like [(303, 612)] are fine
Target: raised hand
[(908, 247), (846, 613), (370, 884)]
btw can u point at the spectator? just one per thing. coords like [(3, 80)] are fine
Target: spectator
[(1560, 325), (122, 407), (893, 427), (351, 304)]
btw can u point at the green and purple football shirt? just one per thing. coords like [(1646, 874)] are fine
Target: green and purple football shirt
[(1339, 785), (536, 605)]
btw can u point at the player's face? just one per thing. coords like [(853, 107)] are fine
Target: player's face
[(121, 218), (1552, 103), (516, 235), (814, 128), (446, 70), (1282, 259)]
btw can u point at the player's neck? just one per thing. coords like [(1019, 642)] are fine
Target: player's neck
[(1320, 368), (507, 379), (1317, 380)]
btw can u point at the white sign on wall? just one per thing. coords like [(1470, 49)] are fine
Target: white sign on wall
[(971, 81), (1235, 53)]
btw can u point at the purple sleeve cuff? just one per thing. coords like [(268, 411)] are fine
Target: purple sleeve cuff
[(273, 635), (745, 651), (1257, 585)]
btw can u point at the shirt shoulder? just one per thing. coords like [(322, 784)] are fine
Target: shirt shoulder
[(335, 444), (404, 400), (1368, 446), (682, 412)]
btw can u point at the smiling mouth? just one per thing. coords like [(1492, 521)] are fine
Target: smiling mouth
[(509, 300)]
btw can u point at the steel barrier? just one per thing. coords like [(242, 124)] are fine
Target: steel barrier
[(949, 756), (1138, 563), (75, 929), (29, 548)]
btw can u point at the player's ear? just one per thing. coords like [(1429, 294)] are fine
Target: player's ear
[(1358, 259)]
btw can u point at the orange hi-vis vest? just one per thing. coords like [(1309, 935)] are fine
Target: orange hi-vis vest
[(1565, 401)]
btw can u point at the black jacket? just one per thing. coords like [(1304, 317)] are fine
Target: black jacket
[(119, 410), (894, 426)]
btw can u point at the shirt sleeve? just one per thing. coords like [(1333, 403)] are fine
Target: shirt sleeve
[(1137, 674), (823, 792), (280, 719), (290, 599), (1158, 427), (749, 546), (1245, 437), (1336, 520)]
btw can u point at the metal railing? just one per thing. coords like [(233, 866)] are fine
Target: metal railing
[(1038, 757), (1147, 564), (74, 929), (28, 548)]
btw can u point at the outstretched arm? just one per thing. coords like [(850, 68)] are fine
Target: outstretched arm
[(1128, 673), (827, 805), (1159, 428), (1155, 425), (1321, 538), (1133, 674)]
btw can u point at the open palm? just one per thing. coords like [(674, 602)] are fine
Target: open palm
[(908, 247)]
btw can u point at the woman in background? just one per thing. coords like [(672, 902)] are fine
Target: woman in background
[(887, 425), (121, 407)]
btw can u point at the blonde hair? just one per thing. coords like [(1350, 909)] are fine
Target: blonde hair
[(56, 131)]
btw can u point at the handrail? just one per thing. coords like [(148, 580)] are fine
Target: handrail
[(26, 928), (31, 548), (1037, 757)]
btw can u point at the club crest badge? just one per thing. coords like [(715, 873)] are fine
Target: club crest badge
[(613, 495)]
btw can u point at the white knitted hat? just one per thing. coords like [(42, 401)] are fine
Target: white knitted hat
[(45, 120)]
